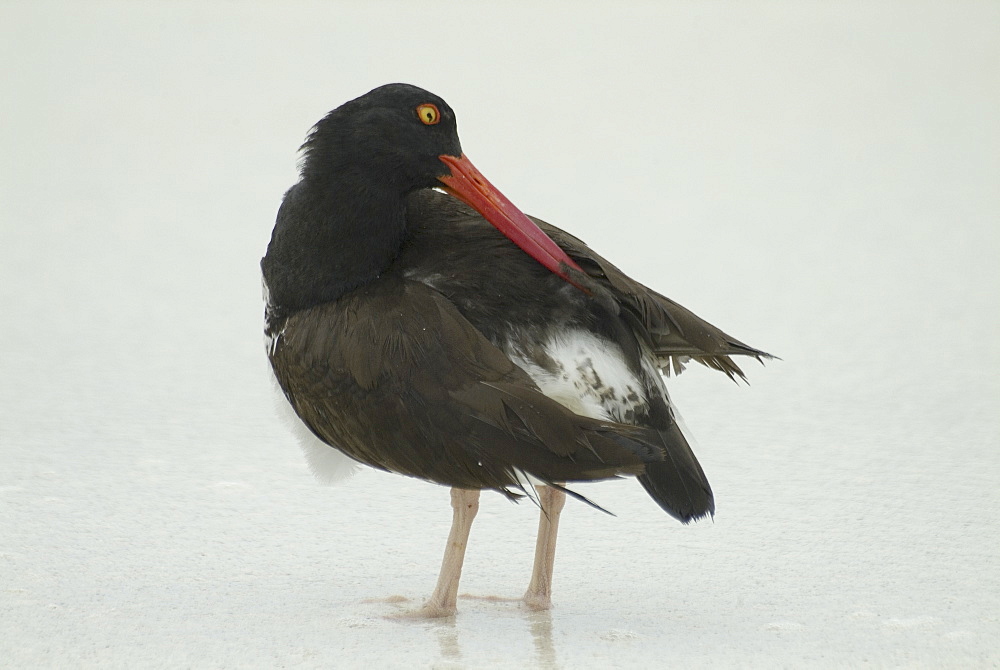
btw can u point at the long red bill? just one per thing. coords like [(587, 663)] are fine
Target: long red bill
[(470, 186)]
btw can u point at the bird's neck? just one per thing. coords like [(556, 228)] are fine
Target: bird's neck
[(329, 239)]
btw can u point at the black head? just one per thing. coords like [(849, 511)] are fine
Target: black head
[(343, 224), (392, 135)]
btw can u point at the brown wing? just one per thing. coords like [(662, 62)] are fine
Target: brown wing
[(674, 333), (394, 376)]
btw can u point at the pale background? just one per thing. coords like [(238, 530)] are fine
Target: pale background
[(819, 179)]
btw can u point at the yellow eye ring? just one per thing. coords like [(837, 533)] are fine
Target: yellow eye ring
[(428, 113)]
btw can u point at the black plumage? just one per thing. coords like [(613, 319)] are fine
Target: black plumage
[(412, 335)]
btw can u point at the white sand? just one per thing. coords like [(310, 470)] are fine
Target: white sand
[(819, 181)]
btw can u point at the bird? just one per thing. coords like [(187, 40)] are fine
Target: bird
[(419, 323)]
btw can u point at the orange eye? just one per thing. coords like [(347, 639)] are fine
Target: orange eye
[(428, 113)]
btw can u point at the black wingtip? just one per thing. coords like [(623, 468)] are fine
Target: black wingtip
[(729, 366), (581, 498), (527, 491)]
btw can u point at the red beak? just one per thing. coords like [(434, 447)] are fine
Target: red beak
[(470, 186)]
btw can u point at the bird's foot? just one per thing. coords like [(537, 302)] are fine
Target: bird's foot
[(537, 602), (432, 609), (426, 611), (429, 610)]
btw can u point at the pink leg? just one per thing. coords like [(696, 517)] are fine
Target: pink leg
[(465, 504), (539, 594)]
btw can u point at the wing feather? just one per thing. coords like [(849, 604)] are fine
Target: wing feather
[(674, 333), (394, 376)]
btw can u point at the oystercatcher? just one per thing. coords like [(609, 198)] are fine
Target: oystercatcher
[(419, 323)]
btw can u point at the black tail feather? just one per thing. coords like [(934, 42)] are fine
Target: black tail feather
[(677, 483)]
